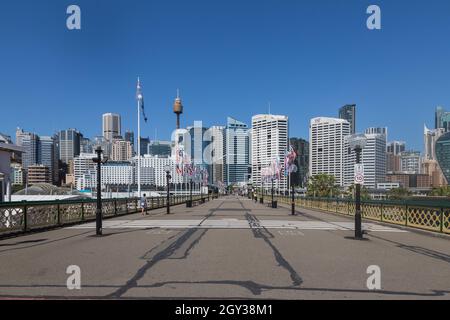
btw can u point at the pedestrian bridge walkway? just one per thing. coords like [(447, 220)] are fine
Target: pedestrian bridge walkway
[(227, 248)]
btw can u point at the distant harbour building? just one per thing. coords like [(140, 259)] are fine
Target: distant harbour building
[(327, 154), (411, 162), (153, 170), (38, 173), (410, 180), (160, 148), (348, 112), (83, 167), (270, 138), (117, 173)]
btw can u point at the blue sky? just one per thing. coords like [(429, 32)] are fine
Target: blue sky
[(229, 58)]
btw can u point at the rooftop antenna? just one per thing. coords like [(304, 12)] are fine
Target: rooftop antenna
[(269, 108)]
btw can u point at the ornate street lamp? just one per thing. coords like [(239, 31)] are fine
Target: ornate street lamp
[(357, 142), (98, 215), (168, 177)]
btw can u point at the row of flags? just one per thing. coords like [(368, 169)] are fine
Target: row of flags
[(277, 168)]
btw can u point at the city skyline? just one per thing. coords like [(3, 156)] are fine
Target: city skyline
[(310, 69)]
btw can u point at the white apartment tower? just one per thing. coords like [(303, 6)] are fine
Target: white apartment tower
[(269, 142), (121, 150), (326, 148)]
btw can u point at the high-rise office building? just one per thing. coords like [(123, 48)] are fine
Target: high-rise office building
[(270, 140), (144, 145), (86, 145), (430, 139), (111, 126), (430, 164), (301, 147), (216, 135), (326, 148), (348, 112), (20, 133), (237, 166), (373, 158), (443, 155), (396, 147), (129, 136), (69, 144), (377, 130), (442, 119), (31, 146), (393, 155), (47, 155)]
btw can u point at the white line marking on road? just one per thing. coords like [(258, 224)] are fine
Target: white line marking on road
[(235, 224)]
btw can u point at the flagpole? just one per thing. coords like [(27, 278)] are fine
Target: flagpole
[(139, 146)]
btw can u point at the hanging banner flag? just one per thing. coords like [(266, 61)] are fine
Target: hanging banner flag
[(140, 99)]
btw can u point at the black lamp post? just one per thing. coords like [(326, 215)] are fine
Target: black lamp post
[(98, 215), (357, 142), (201, 186), (168, 177), (189, 203), (293, 197), (261, 200)]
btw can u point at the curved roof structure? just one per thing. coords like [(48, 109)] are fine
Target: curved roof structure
[(47, 189)]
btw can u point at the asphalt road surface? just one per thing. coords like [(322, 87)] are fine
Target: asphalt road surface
[(229, 248)]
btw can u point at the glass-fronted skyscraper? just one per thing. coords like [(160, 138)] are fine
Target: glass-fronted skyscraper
[(237, 165), (348, 112), (69, 144), (443, 154)]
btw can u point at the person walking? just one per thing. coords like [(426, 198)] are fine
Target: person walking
[(143, 205)]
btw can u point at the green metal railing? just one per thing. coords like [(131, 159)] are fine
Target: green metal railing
[(431, 215), (25, 216)]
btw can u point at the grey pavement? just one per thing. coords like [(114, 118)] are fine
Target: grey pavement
[(226, 249)]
